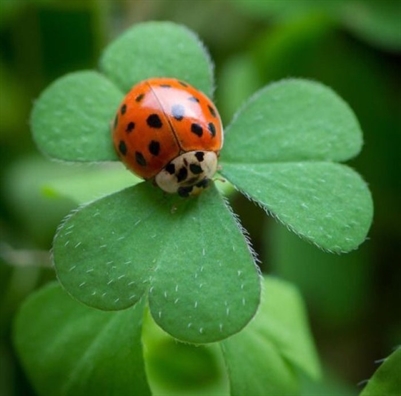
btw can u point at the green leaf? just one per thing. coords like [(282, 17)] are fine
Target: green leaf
[(243, 71), (377, 22), (88, 182), (158, 49), (386, 380), (294, 126), (325, 203), (68, 349), (374, 21), (9, 10), (293, 120), (320, 276), (284, 10), (181, 369), (71, 119), (189, 253), (37, 214), (13, 101), (264, 358)]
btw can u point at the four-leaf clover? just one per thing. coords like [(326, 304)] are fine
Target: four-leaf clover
[(190, 257)]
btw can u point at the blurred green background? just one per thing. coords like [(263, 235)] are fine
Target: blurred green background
[(353, 46)]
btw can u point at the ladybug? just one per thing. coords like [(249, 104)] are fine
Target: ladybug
[(169, 132)]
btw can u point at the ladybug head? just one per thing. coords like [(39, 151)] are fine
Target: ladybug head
[(188, 173)]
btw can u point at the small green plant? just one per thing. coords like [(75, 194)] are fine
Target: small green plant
[(187, 262)]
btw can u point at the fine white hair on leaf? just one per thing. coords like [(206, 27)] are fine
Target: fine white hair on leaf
[(244, 233), (276, 217), (208, 59)]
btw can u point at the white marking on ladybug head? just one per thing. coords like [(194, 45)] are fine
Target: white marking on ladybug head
[(188, 173)]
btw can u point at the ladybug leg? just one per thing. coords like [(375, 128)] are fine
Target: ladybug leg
[(185, 192), (220, 179)]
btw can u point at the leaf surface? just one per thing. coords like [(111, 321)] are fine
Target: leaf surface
[(189, 254), (386, 380), (280, 150), (325, 203), (265, 357), (290, 121), (72, 117), (69, 349), (158, 49)]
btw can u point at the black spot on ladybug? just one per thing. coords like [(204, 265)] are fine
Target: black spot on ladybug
[(122, 147), (154, 147), (199, 155), (115, 121), (182, 174), (140, 159), (182, 83), (195, 169), (212, 129), (185, 191), (154, 121), (123, 109), (211, 110), (196, 129), (193, 99), (178, 111), (130, 127), (170, 168), (139, 97), (165, 85), (203, 183)]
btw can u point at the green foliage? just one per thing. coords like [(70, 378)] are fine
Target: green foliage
[(12, 100), (375, 21), (293, 120), (283, 10), (135, 246), (187, 258), (351, 299), (130, 258), (70, 349), (319, 277), (24, 181), (242, 70), (274, 347), (72, 114), (327, 204), (158, 49), (86, 183), (278, 162), (180, 369), (386, 380)]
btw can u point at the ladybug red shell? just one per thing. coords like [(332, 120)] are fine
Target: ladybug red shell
[(167, 131)]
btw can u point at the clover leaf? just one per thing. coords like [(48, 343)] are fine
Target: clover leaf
[(138, 244), (274, 348), (71, 120), (125, 352), (84, 336), (190, 257), (386, 380), (280, 151)]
